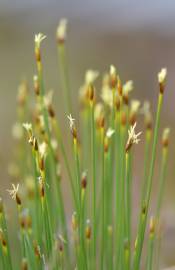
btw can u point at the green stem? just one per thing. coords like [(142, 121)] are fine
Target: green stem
[(93, 179), (161, 184), (127, 211), (143, 215), (65, 77), (146, 162), (59, 138), (103, 200), (149, 263)]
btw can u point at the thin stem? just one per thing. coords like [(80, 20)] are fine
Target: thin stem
[(127, 211), (65, 77), (103, 200), (143, 215), (93, 178), (161, 184), (146, 162), (149, 262)]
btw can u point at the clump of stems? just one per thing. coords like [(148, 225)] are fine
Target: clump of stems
[(99, 173)]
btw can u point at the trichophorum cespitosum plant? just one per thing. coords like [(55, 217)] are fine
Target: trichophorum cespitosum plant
[(98, 169)]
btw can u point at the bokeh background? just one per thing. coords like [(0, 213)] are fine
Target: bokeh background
[(138, 37)]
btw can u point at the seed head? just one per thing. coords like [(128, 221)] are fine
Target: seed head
[(91, 76), (43, 149), (36, 84), (162, 79), (162, 76), (106, 95), (165, 137), (127, 88), (88, 230), (24, 264), (84, 180), (48, 98), (135, 104), (146, 111), (110, 132), (62, 30), (113, 76)]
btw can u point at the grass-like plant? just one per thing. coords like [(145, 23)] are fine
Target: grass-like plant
[(97, 162)]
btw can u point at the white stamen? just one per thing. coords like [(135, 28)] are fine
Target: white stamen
[(71, 121), (13, 191), (39, 38), (27, 126), (132, 136)]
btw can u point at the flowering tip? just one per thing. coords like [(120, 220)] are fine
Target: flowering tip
[(106, 95), (112, 70), (62, 30), (48, 98), (110, 132), (113, 78), (98, 110), (162, 76), (91, 76), (135, 105), (127, 87), (43, 149), (132, 137), (145, 109), (88, 229), (165, 137), (36, 84), (13, 192), (27, 127), (71, 121), (166, 132), (39, 38)]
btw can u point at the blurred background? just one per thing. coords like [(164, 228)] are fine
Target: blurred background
[(138, 37)]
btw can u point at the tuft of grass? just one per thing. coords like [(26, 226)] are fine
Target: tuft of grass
[(99, 233)]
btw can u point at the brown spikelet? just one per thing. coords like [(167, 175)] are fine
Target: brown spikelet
[(18, 200), (106, 145), (24, 264), (91, 92), (51, 111), (88, 232)]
